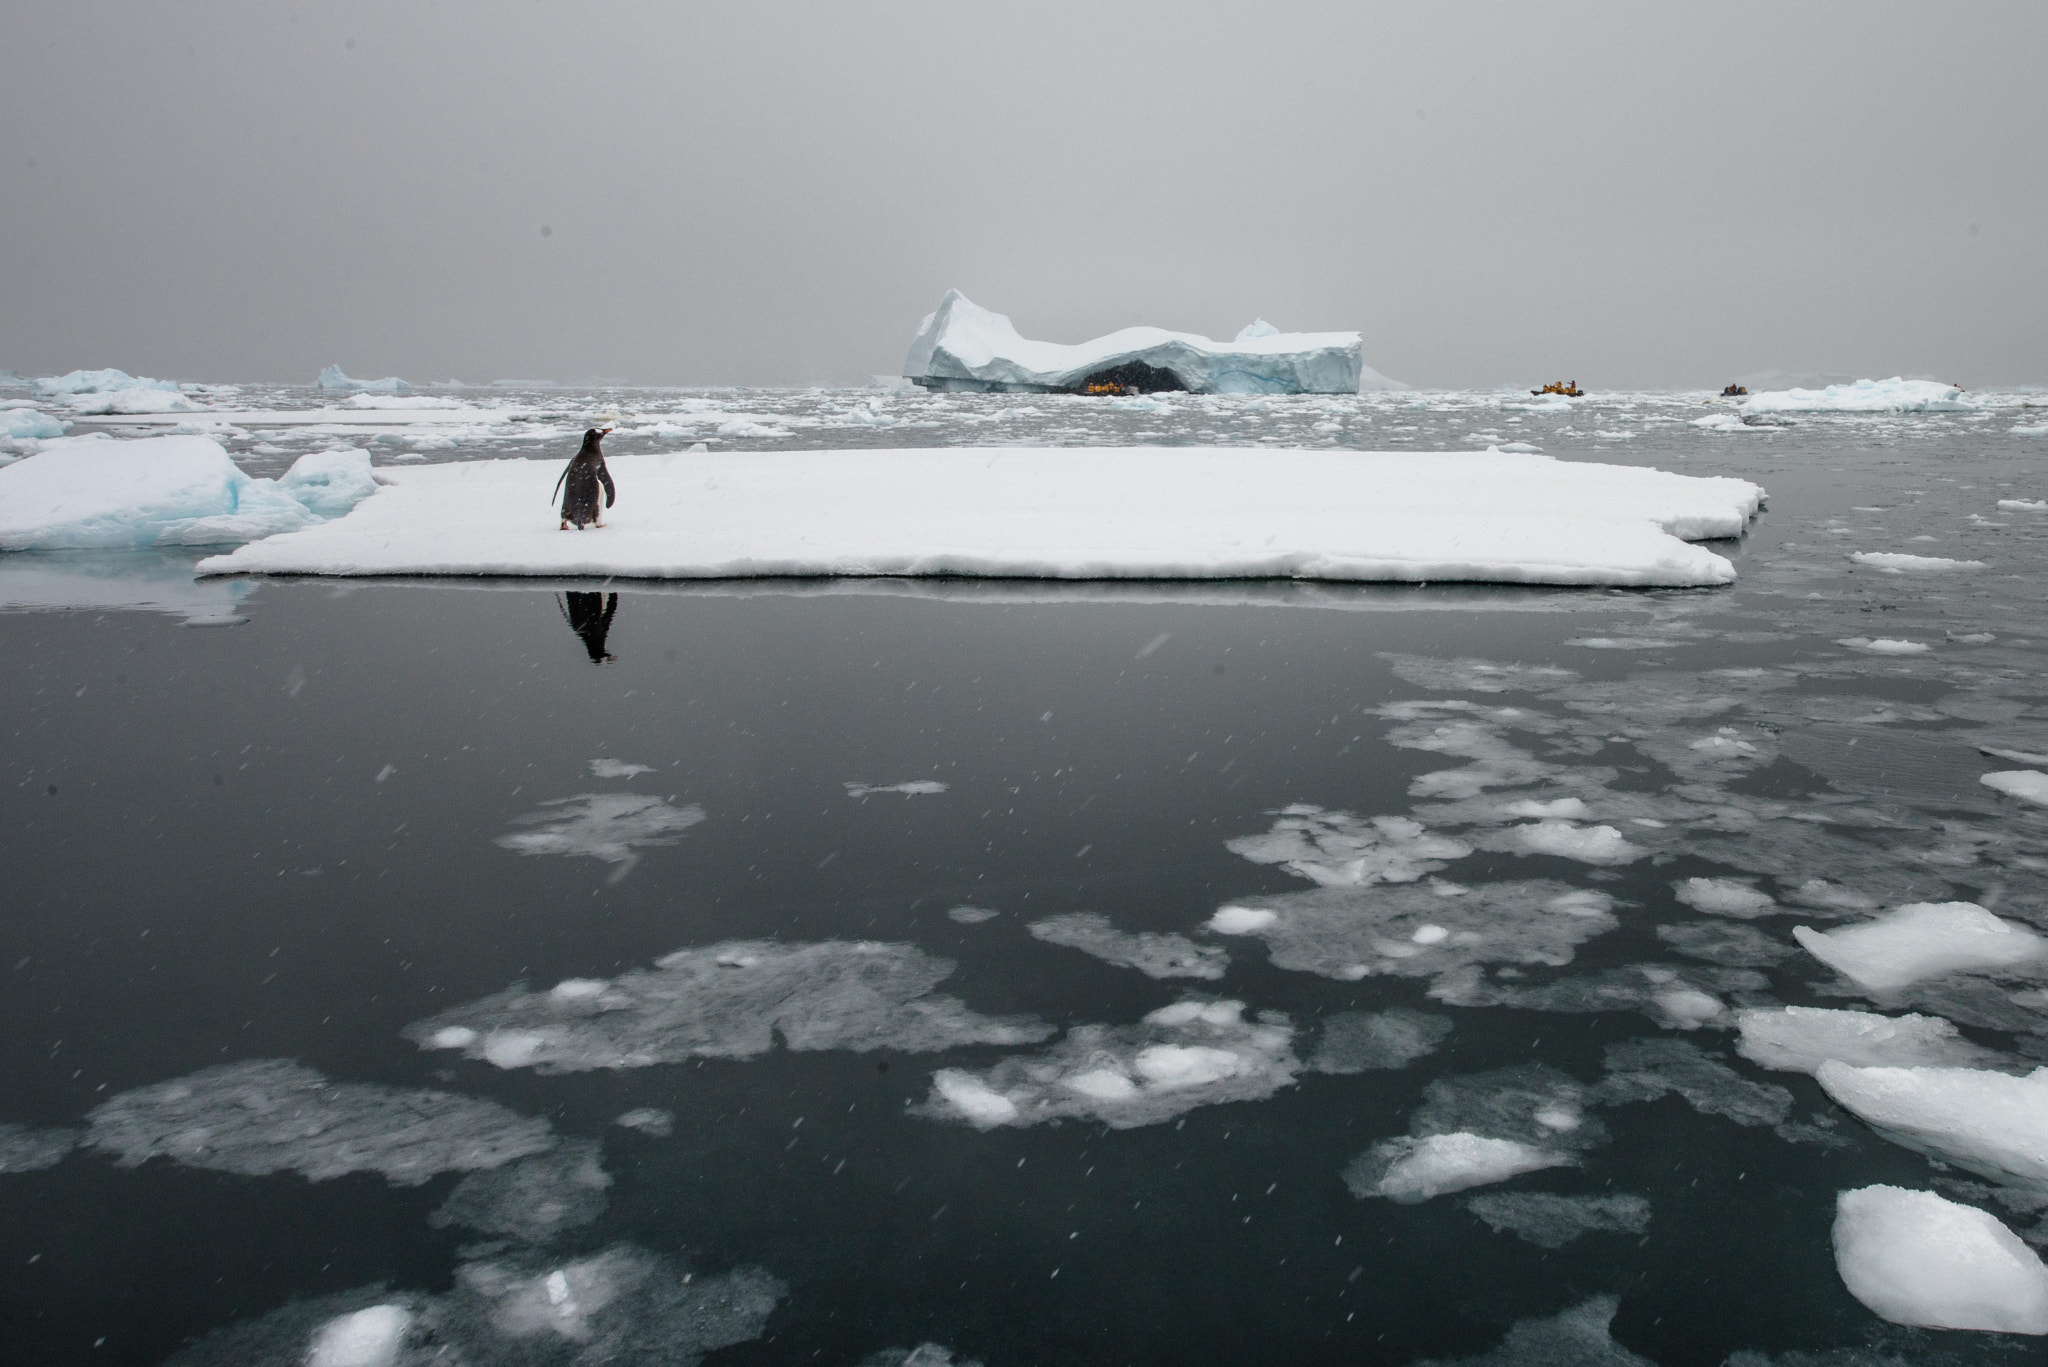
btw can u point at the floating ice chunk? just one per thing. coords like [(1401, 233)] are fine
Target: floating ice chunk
[(25, 1150), (1574, 1338), (1409, 1170), (917, 787), (730, 1000), (87, 493), (1900, 563), (1338, 849), (274, 1115), (1991, 1123), (1193, 1053), (1537, 1106), (649, 1120), (1550, 1221), (1727, 422), (617, 768), (1865, 396), (26, 424), (1415, 932), (332, 378), (1564, 808), (1724, 897), (963, 346), (1913, 1257), (533, 1199), (141, 399), (1922, 940), (1884, 645), (1587, 844), (1798, 1039), (329, 483), (971, 916), (1363, 1041), (1047, 513), (367, 1338), (1645, 1069), (2029, 785), (99, 381), (613, 827), (2023, 505), (1154, 954), (385, 403)]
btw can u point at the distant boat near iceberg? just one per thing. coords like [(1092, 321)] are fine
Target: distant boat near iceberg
[(962, 346)]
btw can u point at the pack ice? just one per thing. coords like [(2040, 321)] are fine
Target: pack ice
[(1865, 396), (93, 493), (963, 346), (1915, 1258), (1044, 513)]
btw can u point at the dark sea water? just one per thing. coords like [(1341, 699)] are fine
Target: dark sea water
[(767, 860)]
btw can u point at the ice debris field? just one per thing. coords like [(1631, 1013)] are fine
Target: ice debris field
[(1131, 513)]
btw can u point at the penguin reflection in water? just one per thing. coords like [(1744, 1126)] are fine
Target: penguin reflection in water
[(590, 616), (578, 484)]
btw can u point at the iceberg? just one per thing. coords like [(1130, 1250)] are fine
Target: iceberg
[(98, 382), (1044, 513), (1915, 1258), (333, 378), (1865, 396), (962, 346), (92, 493), (140, 398)]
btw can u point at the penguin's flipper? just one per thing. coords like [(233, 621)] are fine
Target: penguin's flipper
[(560, 480), (611, 495)]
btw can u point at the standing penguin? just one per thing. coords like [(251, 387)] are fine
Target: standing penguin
[(578, 484)]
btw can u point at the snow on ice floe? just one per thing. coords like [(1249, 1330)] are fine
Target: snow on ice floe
[(1551, 1221), (1099, 513), (1155, 954), (1419, 931), (333, 378), (964, 346), (730, 1000), (1368, 1041), (23, 1149), (612, 827), (1913, 1257), (1923, 940), (1578, 1337), (1993, 1124), (1646, 1069), (1337, 849), (93, 493), (533, 1199), (1799, 1039), (621, 1304), (1190, 1054), (1865, 396), (1478, 1129), (1898, 562), (917, 787), (274, 1115), (2029, 785)]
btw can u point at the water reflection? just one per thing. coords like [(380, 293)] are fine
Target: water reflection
[(590, 616)]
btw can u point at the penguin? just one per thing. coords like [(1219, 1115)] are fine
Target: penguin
[(578, 484)]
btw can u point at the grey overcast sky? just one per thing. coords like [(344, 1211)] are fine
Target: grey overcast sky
[(775, 193)]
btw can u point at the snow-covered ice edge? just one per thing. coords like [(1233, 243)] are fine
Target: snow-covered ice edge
[(1045, 513)]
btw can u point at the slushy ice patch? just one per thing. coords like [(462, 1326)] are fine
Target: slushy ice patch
[(1551, 1221), (1192, 1053), (1152, 953), (1337, 849), (29, 1150), (730, 1000), (1645, 1069), (612, 827), (1477, 1129), (274, 1115), (1365, 1041), (1577, 1337), (1677, 998), (533, 1199)]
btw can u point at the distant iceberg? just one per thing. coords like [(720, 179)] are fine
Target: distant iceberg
[(333, 378), (962, 346), (27, 424), (99, 382), (1865, 396)]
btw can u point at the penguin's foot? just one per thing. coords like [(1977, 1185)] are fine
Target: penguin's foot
[(565, 524)]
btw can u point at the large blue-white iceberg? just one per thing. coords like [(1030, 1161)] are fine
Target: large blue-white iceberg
[(962, 346), (333, 378)]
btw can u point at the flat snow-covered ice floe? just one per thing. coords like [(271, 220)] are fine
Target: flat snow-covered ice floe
[(1045, 513), (964, 346), (1865, 396)]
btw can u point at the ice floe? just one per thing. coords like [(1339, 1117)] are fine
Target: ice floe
[(1923, 940), (971, 916), (1365, 1041), (1419, 931), (23, 1149), (612, 827), (731, 1000), (1720, 942), (1476, 1129), (916, 787), (2028, 785), (93, 493), (618, 768), (1551, 1221), (1724, 897), (1864, 396), (1993, 1124), (333, 378), (1190, 1054), (649, 1120), (274, 1115), (1337, 849), (1799, 1039), (533, 1199), (1577, 1337), (1103, 513), (1416, 1168), (1898, 562), (366, 1338), (141, 399), (1645, 1069), (1913, 1257), (26, 424), (1155, 954), (963, 346), (1884, 645)]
